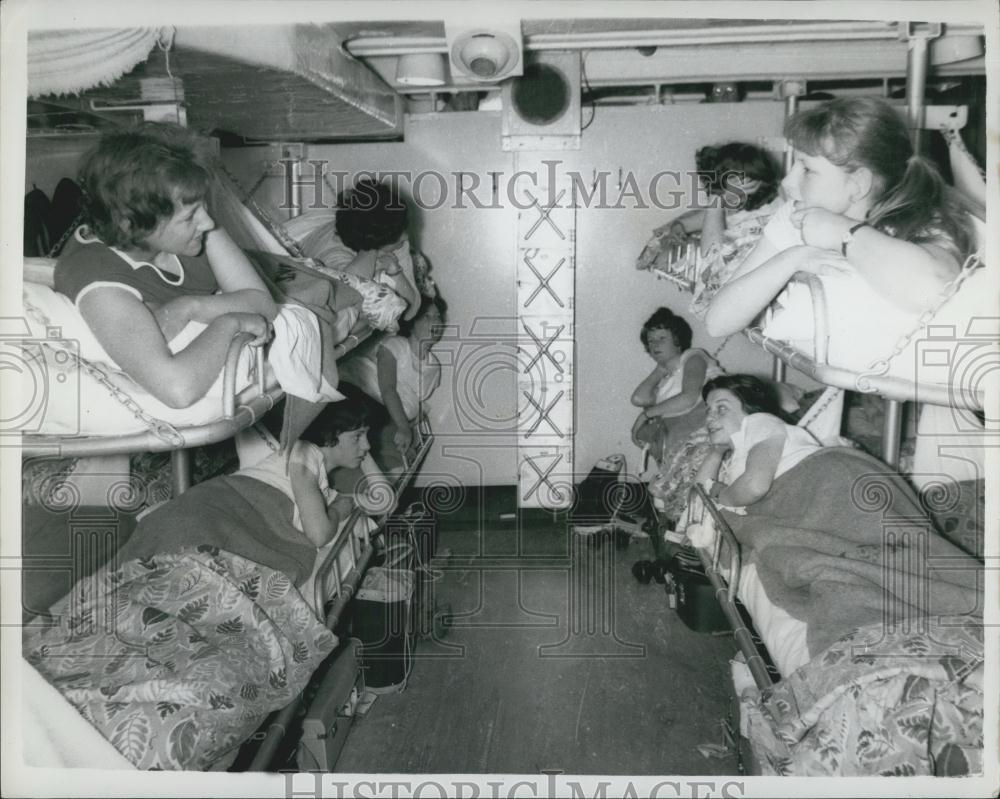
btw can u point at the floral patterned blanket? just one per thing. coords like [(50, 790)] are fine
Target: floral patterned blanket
[(177, 659), (877, 703)]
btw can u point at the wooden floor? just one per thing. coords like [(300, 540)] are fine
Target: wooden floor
[(548, 655)]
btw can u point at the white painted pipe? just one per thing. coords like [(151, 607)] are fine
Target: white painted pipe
[(372, 46)]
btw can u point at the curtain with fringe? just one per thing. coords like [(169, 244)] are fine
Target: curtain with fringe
[(68, 62)]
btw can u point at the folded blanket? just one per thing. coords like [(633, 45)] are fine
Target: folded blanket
[(841, 541), (288, 283), (233, 513), (176, 659)]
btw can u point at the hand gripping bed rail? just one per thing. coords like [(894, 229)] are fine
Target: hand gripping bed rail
[(361, 554), (726, 594)]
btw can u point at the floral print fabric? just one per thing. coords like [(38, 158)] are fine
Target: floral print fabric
[(177, 659), (877, 703)]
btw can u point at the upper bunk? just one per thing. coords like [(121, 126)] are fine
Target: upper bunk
[(291, 83)]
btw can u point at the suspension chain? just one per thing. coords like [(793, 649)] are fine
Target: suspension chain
[(880, 367), (161, 429), (286, 241), (57, 247)]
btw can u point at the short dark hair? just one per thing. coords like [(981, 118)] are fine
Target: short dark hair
[(426, 303), (336, 418), (131, 178), (739, 158), (754, 394), (665, 319), (370, 216)]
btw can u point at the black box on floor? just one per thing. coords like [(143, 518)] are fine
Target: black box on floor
[(382, 620), (696, 602)]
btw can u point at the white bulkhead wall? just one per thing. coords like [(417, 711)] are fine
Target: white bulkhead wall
[(473, 253)]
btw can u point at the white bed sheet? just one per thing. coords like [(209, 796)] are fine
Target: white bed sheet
[(56, 735), (783, 635), (68, 399)]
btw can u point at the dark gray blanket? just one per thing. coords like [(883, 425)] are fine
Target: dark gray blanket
[(236, 514), (841, 541)]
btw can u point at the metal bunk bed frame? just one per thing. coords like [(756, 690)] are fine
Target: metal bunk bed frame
[(894, 391), (361, 553)]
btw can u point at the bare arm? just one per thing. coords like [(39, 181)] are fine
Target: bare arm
[(173, 316), (690, 221), (690, 396), (709, 469), (645, 393), (755, 482), (386, 369), (754, 286), (909, 275), (316, 523), (236, 276), (713, 227), (319, 521), (232, 269), (363, 264), (130, 334)]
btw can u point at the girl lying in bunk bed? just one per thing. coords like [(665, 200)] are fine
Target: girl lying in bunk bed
[(203, 623), (860, 201), (888, 239), (738, 187), (873, 619), (161, 290), (365, 245), (150, 262)]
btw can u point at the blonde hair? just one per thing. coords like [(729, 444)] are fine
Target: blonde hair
[(912, 201)]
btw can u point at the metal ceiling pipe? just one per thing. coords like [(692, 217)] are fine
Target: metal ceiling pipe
[(367, 47), (699, 36), (918, 40)]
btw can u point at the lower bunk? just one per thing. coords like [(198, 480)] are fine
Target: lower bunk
[(870, 622), (207, 657)]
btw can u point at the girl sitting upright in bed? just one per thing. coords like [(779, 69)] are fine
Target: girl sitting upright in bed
[(672, 415), (150, 261), (860, 200)]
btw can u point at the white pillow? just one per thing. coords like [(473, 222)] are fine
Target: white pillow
[(68, 396), (59, 319)]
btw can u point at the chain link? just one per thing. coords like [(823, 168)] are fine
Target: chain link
[(880, 367), (286, 241), (161, 429), (952, 136), (55, 249), (721, 347)]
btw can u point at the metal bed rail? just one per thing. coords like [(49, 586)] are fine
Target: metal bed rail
[(237, 411), (818, 367), (893, 390), (348, 582), (726, 593), (683, 263)]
